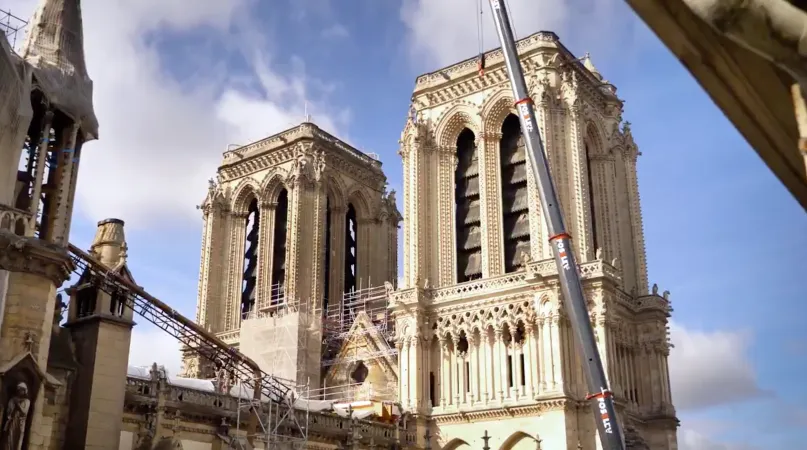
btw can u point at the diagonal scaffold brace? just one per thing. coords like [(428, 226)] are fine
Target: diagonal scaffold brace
[(574, 301)]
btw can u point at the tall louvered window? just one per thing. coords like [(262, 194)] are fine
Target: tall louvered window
[(351, 248), (250, 259), (279, 250), (515, 207), (466, 202), (591, 198), (327, 270)]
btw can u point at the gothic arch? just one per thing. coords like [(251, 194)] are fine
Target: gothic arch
[(336, 191), (452, 123), (243, 194), (595, 137), (496, 109), (518, 441), (456, 444), (272, 185), (358, 199)]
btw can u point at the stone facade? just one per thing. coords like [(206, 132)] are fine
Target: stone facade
[(484, 342)]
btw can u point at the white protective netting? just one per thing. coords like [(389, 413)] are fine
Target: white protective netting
[(54, 48), (15, 115)]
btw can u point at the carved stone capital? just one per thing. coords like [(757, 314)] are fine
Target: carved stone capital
[(269, 206), (34, 256)]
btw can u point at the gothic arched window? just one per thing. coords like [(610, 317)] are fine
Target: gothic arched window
[(515, 205), (249, 277), (326, 289), (278, 279), (351, 249), (590, 205), (466, 203)]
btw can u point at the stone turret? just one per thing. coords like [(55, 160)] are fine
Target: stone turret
[(54, 48)]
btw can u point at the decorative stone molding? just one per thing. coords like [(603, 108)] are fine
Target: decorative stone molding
[(34, 256)]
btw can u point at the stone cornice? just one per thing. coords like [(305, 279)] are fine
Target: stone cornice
[(503, 412), (35, 256)]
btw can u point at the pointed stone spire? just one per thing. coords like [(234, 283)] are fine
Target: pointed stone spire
[(54, 47), (590, 66), (109, 244)]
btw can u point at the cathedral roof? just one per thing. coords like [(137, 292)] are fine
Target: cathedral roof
[(54, 48)]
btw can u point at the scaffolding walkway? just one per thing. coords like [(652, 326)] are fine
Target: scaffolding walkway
[(11, 26)]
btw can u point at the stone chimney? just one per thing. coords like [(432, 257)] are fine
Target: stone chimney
[(109, 245)]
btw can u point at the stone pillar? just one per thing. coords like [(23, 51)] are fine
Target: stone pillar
[(489, 153), (35, 270), (444, 382), (446, 233), (266, 247), (337, 254), (67, 165)]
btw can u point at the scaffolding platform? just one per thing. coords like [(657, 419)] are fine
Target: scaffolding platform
[(12, 26), (338, 320)]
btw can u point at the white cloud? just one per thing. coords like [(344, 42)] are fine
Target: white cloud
[(443, 32), (150, 345), (711, 368), (161, 139)]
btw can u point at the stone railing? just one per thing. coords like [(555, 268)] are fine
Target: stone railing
[(488, 286), (16, 221), (196, 402)]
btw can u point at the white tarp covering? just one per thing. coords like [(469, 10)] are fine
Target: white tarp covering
[(15, 115), (54, 48)]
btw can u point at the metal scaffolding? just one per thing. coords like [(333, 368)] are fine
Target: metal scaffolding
[(339, 318), (11, 26), (280, 427)]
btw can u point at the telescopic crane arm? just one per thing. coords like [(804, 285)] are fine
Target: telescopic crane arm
[(571, 288)]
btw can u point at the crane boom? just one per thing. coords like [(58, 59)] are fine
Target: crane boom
[(571, 288)]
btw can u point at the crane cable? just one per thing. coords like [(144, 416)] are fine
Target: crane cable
[(480, 40)]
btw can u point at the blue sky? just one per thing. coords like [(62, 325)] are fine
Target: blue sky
[(175, 83)]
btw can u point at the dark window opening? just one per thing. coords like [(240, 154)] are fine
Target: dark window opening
[(515, 202), (359, 373), (466, 206), (523, 370), (591, 198), (326, 289), (86, 299), (279, 250), (250, 276), (462, 344), (351, 249), (509, 370), (432, 390), (117, 302)]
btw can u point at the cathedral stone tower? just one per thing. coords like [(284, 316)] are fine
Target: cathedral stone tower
[(483, 338), (46, 115), (294, 221)]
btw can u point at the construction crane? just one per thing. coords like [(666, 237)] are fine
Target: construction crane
[(571, 288)]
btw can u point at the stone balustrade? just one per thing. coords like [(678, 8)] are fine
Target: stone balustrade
[(16, 221)]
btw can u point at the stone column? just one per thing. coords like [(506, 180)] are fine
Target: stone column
[(489, 152), (235, 270), (636, 222), (447, 240), (41, 162), (403, 364), (337, 255), (529, 359), (444, 381), (266, 247), (579, 218), (474, 368), (501, 359), (455, 378), (68, 163)]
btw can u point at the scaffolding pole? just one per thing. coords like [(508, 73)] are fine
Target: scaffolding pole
[(11, 26)]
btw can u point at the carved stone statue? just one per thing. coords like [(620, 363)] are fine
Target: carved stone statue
[(14, 423), (526, 259), (388, 288), (666, 295), (598, 254), (655, 289)]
